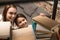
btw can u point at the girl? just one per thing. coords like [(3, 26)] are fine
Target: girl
[(9, 14), (21, 21)]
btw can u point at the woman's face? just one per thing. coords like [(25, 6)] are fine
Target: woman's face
[(22, 22), (11, 14)]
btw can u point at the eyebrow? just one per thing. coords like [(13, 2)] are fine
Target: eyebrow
[(13, 12)]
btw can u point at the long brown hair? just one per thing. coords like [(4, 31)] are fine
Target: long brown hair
[(6, 9)]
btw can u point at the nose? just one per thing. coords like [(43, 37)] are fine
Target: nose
[(13, 16), (24, 22)]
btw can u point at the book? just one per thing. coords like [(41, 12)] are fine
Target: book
[(23, 34), (46, 22)]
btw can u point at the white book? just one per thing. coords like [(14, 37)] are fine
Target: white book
[(4, 29)]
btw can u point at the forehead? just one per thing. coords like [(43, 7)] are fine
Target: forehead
[(12, 9), (20, 18)]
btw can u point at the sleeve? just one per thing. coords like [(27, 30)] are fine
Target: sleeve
[(34, 25)]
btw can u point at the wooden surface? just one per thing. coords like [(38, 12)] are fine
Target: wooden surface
[(45, 21), (23, 34)]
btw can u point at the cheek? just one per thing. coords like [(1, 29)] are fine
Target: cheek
[(26, 22), (8, 15), (19, 25), (14, 16)]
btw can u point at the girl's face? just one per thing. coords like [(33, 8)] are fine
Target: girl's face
[(22, 22), (11, 14)]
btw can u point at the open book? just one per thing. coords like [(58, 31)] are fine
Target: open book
[(24, 34), (45, 22)]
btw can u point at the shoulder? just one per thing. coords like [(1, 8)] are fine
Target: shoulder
[(30, 26)]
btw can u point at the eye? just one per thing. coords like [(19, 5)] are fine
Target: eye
[(23, 20), (11, 13), (14, 13), (20, 22)]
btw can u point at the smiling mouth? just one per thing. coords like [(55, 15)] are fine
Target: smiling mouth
[(11, 18)]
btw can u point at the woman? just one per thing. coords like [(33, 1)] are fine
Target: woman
[(23, 30), (9, 14), (21, 21)]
